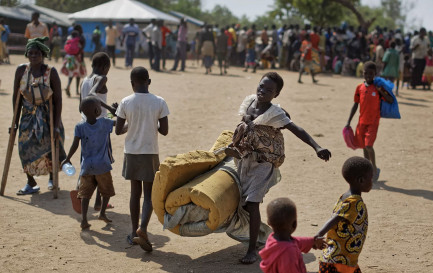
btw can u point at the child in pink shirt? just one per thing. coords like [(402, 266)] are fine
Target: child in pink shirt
[(282, 252)]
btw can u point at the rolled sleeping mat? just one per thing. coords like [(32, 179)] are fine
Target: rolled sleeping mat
[(175, 172)]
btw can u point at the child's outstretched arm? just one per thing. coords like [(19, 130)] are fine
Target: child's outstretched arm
[(72, 150), (323, 154), (352, 113), (328, 225)]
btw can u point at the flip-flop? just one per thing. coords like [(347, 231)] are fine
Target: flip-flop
[(28, 190), (76, 203), (130, 240), (376, 178), (109, 206), (144, 243)]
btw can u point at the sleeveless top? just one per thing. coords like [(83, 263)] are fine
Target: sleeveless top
[(27, 80), (86, 86)]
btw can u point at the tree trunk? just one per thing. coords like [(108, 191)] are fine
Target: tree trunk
[(351, 6)]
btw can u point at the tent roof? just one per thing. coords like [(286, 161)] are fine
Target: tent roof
[(122, 10), (25, 14), (189, 19), (61, 18)]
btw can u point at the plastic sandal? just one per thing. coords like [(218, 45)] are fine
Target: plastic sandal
[(28, 190)]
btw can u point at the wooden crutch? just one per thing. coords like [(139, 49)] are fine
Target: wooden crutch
[(54, 152), (11, 143)]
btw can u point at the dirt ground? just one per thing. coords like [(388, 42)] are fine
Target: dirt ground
[(41, 234)]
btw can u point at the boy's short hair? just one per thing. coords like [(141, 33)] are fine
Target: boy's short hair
[(275, 77), (100, 59), (280, 212), (355, 167), (88, 103), (139, 75), (370, 65)]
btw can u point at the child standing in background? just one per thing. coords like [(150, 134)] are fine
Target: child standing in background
[(259, 145), (221, 50), (146, 115), (282, 252), (347, 229), (368, 97), (95, 85)]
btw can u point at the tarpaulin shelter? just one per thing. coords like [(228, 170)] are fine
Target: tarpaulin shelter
[(120, 11)]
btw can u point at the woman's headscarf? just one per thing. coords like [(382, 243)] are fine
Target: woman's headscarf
[(39, 44)]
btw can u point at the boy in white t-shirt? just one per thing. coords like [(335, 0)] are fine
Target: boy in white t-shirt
[(146, 115)]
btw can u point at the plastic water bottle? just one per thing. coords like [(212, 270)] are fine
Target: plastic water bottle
[(68, 169)]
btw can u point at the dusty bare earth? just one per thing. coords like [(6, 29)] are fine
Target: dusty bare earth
[(41, 234)]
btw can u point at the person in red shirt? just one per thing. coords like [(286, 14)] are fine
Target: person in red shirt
[(368, 97), (164, 30), (306, 58)]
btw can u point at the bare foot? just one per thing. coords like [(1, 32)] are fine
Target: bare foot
[(249, 258), (104, 218), (85, 225)]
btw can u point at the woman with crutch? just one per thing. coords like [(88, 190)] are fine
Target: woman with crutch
[(38, 86)]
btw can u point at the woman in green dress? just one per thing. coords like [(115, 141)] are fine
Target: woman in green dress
[(36, 82)]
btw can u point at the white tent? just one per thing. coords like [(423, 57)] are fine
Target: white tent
[(122, 10)]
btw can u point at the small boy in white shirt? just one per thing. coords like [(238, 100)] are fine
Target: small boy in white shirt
[(146, 115)]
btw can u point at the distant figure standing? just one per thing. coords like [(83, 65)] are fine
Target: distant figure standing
[(55, 33), (110, 40), (380, 52), (250, 60), (164, 31), (130, 35), (36, 29), (264, 37), (242, 46), (4, 36), (73, 64), (157, 45), (208, 48), (96, 41), (181, 46), (147, 32), (391, 61), (221, 50), (419, 46)]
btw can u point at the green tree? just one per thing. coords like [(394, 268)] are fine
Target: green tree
[(9, 3), (319, 12), (220, 15), (188, 7)]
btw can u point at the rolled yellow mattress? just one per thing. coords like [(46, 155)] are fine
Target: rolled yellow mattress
[(174, 185)]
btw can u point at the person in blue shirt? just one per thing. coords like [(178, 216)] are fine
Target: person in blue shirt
[(95, 157), (130, 37)]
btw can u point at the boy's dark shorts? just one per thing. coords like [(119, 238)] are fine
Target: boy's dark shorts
[(88, 184), (141, 167)]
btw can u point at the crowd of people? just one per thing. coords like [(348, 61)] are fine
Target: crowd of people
[(400, 57)]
